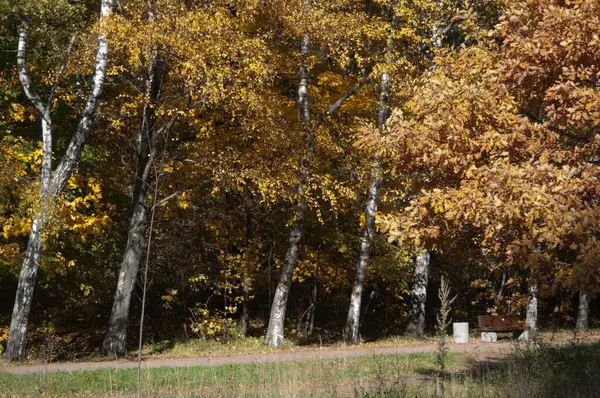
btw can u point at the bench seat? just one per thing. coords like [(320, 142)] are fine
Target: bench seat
[(500, 323)]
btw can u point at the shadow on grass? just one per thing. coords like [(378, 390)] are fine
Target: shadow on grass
[(570, 370), (161, 347)]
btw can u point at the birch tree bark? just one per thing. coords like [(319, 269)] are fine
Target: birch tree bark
[(50, 186), (416, 314), (115, 341), (274, 335), (583, 311), (351, 334), (532, 310)]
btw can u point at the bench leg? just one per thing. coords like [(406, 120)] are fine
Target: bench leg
[(522, 336), (489, 337)]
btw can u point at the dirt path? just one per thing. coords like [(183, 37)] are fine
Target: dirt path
[(477, 350)]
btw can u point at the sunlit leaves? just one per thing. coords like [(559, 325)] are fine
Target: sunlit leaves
[(504, 139)]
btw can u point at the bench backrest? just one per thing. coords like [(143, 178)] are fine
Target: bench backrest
[(499, 323)]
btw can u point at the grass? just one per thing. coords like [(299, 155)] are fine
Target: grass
[(195, 347), (547, 371), (349, 376), (561, 365), (252, 345), (210, 347), (567, 370)]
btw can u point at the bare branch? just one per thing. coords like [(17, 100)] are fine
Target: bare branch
[(174, 194), (348, 94), (60, 72)]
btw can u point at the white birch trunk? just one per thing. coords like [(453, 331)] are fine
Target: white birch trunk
[(416, 314), (532, 310), (115, 342), (15, 346), (73, 153), (351, 334), (275, 333), (50, 187), (583, 311)]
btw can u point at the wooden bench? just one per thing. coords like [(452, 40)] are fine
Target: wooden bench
[(490, 324)]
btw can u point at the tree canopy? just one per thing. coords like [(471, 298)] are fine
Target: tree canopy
[(489, 160)]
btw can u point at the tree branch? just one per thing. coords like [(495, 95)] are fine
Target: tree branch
[(452, 23), (30, 93), (348, 94), (73, 153), (60, 72), (43, 111), (174, 194)]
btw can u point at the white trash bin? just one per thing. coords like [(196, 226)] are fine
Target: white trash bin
[(461, 332)]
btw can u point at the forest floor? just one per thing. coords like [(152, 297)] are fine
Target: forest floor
[(475, 349)]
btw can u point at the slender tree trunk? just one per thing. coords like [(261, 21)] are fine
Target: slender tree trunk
[(50, 187), (115, 341), (532, 310), (351, 333), (16, 347), (311, 321), (145, 278), (245, 318), (583, 311), (416, 314), (274, 335), (278, 307)]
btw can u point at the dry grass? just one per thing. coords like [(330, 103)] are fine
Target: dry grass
[(250, 345)]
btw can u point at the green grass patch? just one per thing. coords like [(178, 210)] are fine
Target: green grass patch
[(320, 377)]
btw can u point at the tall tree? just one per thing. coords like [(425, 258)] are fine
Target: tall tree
[(353, 322), (415, 326), (115, 341), (583, 311), (507, 143), (50, 185), (274, 335)]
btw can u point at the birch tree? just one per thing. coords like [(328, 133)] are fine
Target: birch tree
[(274, 336), (353, 322), (115, 342), (583, 311), (210, 73), (400, 14), (51, 184), (415, 326), (341, 51)]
